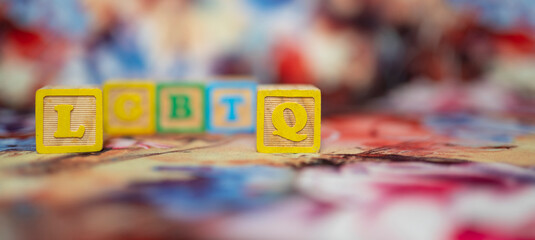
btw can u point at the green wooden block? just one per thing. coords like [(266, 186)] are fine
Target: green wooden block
[(180, 107)]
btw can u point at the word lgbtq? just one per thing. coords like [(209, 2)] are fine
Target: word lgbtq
[(287, 119)]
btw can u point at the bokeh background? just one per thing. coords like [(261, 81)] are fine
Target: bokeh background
[(428, 133), (475, 55)]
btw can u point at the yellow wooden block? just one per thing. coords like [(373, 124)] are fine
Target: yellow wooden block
[(68, 120), (288, 119), (129, 107)]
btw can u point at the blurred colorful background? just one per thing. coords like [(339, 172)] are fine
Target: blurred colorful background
[(428, 129), (354, 50)]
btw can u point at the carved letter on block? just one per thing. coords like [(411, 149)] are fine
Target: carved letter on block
[(231, 107), (289, 119), (180, 107), (129, 107), (68, 120)]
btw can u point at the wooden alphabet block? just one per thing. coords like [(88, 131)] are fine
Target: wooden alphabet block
[(68, 120), (129, 107), (180, 107), (231, 107), (288, 119)]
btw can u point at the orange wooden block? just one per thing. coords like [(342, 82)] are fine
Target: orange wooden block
[(129, 107), (68, 120)]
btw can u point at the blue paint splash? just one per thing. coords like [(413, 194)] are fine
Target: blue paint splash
[(211, 190), (27, 144)]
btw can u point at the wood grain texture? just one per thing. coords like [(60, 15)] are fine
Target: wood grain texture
[(218, 110), (85, 112), (192, 123), (289, 118), (287, 87), (306, 99), (142, 124)]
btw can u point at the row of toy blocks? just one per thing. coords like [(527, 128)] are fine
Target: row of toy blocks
[(70, 120), (145, 107)]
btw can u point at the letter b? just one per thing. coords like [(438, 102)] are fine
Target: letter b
[(180, 106)]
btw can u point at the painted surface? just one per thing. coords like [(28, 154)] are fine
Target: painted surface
[(376, 176)]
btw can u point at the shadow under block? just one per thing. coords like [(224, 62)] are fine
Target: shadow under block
[(288, 119), (231, 107), (129, 107), (68, 120), (180, 107)]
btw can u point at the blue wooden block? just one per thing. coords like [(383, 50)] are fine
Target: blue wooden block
[(231, 107)]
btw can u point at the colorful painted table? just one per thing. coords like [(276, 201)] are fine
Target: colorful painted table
[(378, 176)]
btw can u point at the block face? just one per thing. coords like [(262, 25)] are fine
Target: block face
[(180, 107), (289, 119), (83, 107), (68, 120), (231, 107), (129, 108)]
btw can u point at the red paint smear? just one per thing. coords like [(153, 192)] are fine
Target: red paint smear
[(28, 44), (33, 42), (438, 190), (43, 49), (442, 186), (377, 125), (488, 234), (291, 66), (520, 41), (381, 130)]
